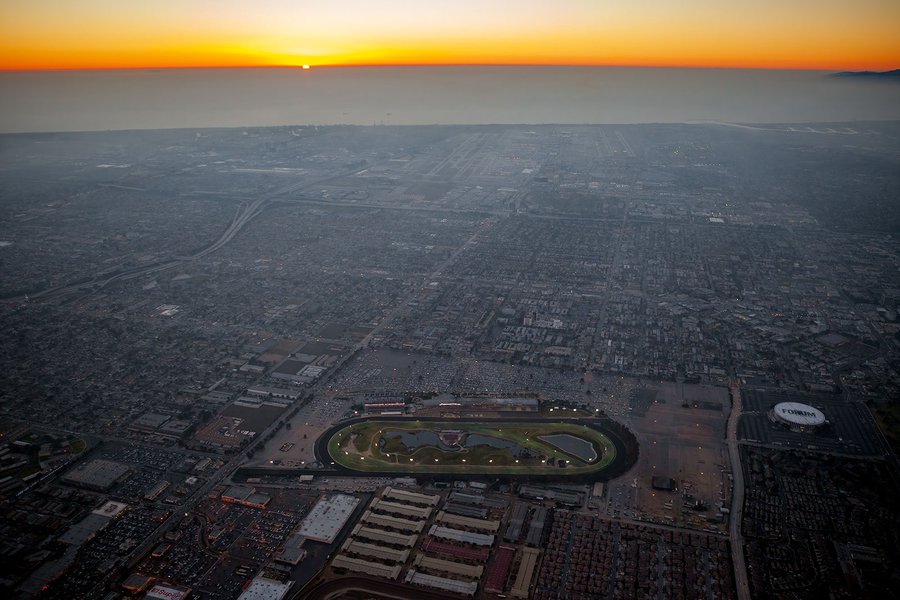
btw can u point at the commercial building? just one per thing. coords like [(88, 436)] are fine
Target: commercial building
[(325, 521), (263, 588), (97, 474), (245, 496), (137, 582), (292, 551)]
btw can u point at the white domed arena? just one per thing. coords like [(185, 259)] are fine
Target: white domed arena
[(797, 416)]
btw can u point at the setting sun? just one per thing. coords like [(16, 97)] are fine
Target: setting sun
[(96, 34)]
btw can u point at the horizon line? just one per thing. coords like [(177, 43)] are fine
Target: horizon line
[(299, 66)]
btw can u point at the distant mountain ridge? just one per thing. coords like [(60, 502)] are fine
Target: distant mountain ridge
[(880, 75)]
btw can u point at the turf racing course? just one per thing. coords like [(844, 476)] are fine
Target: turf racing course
[(529, 447)]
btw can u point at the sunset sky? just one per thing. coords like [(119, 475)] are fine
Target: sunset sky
[(815, 34)]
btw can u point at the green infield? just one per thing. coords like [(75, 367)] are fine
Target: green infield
[(459, 446)]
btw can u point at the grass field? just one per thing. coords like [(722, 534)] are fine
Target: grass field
[(365, 446)]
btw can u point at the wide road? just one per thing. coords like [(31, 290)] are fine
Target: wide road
[(737, 497)]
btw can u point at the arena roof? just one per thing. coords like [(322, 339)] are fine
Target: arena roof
[(795, 413)]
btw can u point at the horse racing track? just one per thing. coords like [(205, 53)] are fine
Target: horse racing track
[(525, 447)]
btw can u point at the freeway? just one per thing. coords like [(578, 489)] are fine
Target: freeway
[(245, 214), (737, 497)]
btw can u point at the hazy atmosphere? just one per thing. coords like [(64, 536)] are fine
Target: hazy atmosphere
[(395, 300), (149, 99)]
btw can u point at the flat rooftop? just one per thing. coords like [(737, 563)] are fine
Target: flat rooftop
[(262, 588), (97, 473), (328, 517)]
